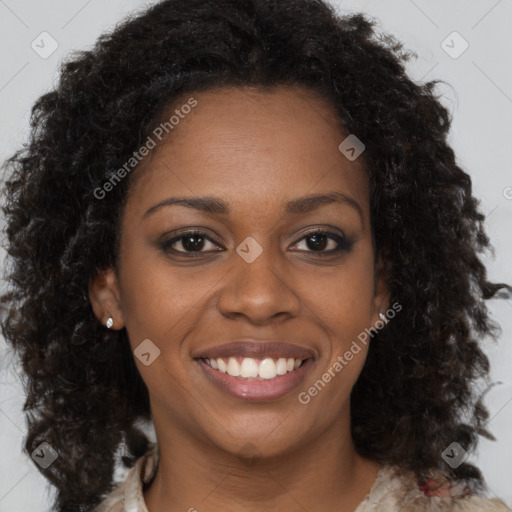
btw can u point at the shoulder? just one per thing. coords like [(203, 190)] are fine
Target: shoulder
[(128, 495), (395, 490)]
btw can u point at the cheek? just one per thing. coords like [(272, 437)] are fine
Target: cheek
[(344, 305), (343, 297), (160, 301), (156, 292), (156, 304), (164, 302)]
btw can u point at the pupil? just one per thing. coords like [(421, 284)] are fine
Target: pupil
[(189, 245), (315, 245)]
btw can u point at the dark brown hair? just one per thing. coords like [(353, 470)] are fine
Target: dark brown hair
[(415, 395)]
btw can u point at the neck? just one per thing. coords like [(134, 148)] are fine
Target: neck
[(326, 474)]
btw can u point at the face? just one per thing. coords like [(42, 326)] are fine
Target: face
[(254, 268)]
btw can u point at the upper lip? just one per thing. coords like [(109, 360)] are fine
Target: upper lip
[(256, 349)]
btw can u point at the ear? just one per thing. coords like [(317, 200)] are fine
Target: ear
[(105, 297), (381, 297)]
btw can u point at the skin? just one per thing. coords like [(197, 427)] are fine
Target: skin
[(256, 150)]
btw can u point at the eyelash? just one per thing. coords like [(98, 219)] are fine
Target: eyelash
[(344, 244)]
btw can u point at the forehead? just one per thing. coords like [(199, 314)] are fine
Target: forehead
[(250, 145)]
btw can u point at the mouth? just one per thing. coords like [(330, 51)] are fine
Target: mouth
[(248, 368), (256, 371)]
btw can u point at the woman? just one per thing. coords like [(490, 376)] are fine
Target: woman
[(242, 222)]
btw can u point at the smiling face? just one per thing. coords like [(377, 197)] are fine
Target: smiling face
[(256, 270)]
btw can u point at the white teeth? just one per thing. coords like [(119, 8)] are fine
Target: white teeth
[(281, 366), (223, 367), (267, 368), (233, 367), (249, 367)]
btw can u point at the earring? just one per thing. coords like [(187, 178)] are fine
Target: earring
[(110, 322), (382, 316)]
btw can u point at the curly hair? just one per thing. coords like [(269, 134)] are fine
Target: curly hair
[(416, 393)]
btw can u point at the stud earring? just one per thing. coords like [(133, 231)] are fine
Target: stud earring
[(110, 322), (382, 316)]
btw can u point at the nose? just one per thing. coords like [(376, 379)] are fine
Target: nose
[(260, 291)]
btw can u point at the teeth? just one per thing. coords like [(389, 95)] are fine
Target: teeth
[(267, 368), (281, 366), (249, 368), (233, 367), (223, 367)]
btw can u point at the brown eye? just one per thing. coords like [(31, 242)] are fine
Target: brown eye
[(190, 242), (318, 241)]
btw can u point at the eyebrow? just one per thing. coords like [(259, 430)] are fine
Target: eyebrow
[(217, 206)]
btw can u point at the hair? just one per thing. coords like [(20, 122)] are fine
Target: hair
[(416, 393)]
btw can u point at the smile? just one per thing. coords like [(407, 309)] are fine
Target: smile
[(255, 380), (255, 369)]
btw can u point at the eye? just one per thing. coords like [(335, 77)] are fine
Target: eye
[(195, 241), (320, 240), (190, 241)]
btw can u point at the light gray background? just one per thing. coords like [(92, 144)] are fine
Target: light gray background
[(480, 98)]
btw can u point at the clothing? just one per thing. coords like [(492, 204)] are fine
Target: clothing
[(392, 491)]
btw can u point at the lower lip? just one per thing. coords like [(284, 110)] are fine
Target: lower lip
[(256, 390)]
